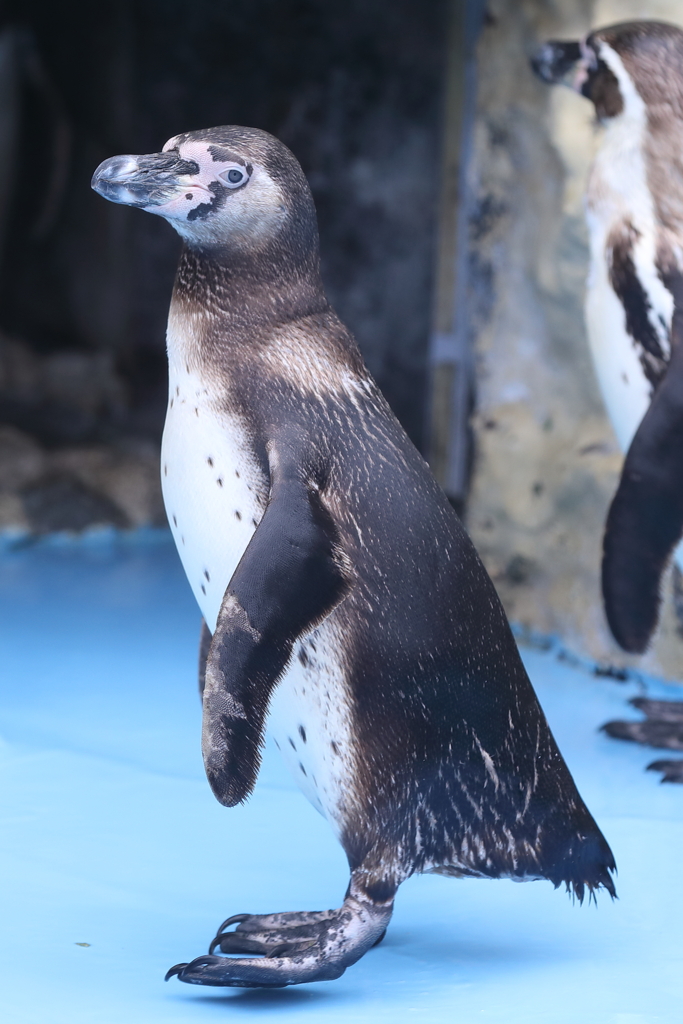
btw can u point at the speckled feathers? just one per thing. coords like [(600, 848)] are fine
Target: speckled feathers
[(348, 607)]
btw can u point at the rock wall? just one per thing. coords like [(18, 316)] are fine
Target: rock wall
[(547, 462)]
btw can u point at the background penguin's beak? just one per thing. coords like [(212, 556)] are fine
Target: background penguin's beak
[(554, 62), (140, 180)]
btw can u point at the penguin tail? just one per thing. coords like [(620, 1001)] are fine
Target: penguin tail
[(585, 868)]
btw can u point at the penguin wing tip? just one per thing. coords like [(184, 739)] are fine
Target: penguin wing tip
[(636, 640), (632, 606)]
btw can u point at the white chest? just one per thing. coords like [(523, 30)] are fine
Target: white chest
[(215, 496), (618, 195), (214, 491), (625, 389), (311, 722)]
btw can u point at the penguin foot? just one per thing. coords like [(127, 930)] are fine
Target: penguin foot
[(291, 948), (662, 727), (672, 770)]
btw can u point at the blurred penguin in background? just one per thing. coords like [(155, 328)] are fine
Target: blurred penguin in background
[(633, 75)]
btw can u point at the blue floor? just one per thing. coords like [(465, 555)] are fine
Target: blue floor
[(111, 837)]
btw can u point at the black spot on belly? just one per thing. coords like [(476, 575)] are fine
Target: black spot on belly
[(175, 521), (302, 768), (177, 390), (210, 461), (302, 733), (335, 748), (172, 400), (292, 743), (188, 195), (277, 744), (303, 657), (203, 589), (237, 473), (206, 573), (254, 523), (165, 470), (182, 540), (196, 411), (220, 481), (238, 515)]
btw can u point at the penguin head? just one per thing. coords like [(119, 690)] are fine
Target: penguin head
[(619, 68), (228, 188)]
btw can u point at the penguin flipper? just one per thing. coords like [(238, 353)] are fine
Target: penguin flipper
[(290, 577), (645, 520)]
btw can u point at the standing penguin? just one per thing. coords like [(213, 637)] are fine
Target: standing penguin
[(342, 600), (633, 74)]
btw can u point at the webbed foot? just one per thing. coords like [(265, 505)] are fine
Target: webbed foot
[(290, 948), (662, 727), (672, 771)]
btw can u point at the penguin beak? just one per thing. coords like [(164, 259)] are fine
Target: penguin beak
[(558, 63), (142, 181)]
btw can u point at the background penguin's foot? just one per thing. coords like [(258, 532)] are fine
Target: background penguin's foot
[(672, 770), (662, 727), (293, 947)]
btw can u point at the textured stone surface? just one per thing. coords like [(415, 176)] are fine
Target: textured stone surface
[(74, 488), (61, 397), (547, 462), (66, 461)]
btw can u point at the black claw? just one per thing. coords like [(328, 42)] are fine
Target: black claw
[(205, 961), (235, 942), (177, 969), (235, 919)]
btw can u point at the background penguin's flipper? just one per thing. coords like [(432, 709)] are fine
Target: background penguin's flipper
[(645, 520), (287, 581)]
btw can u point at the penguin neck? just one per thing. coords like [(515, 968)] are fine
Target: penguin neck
[(250, 292)]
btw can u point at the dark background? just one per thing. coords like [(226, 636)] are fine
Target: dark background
[(354, 87)]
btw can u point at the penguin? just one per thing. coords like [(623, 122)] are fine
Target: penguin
[(343, 604), (633, 75)]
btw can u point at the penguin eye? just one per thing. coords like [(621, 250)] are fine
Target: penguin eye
[(234, 176)]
